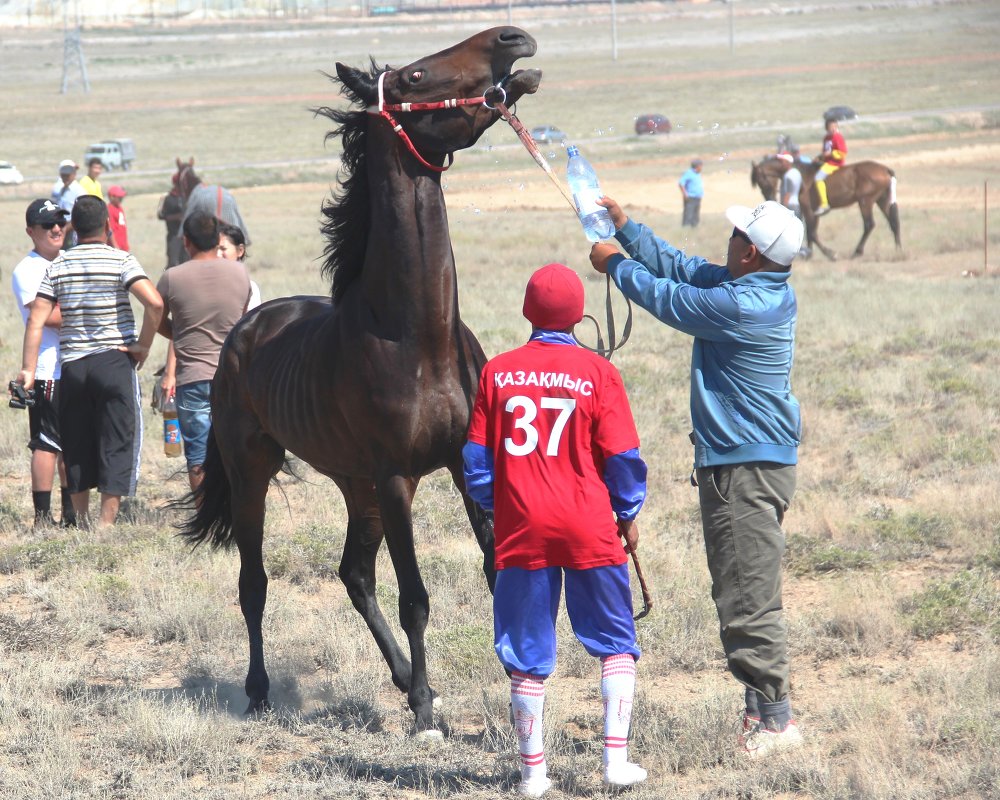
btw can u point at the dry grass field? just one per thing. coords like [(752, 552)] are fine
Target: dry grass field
[(122, 654)]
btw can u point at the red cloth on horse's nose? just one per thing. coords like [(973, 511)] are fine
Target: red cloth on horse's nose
[(553, 299)]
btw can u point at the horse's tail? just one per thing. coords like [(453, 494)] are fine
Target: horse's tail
[(893, 213), (212, 520)]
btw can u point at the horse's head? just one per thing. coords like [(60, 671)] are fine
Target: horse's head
[(767, 174), (185, 179), (468, 69)]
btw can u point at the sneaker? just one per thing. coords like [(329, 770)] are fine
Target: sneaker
[(822, 210), (624, 774), (763, 742), (534, 787)]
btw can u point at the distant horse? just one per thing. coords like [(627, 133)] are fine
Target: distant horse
[(199, 198), (374, 385), (866, 183)]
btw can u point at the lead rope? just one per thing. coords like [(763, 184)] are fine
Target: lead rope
[(529, 144)]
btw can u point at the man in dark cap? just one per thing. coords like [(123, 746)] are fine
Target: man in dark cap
[(46, 227), (554, 452)]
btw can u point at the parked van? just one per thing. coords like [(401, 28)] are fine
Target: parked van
[(114, 153)]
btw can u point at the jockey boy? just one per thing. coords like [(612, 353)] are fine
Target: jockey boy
[(834, 156), (553, 450)]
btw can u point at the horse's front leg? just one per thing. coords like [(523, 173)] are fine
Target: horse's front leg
[(395, 496), (812, 235), (482, 525), (357, 571)]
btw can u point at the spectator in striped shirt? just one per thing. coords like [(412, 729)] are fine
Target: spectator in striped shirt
[(100, 420)]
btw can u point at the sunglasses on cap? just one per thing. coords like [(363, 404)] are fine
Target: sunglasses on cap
[(737, 233)]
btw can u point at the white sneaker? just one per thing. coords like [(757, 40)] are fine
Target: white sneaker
[(624, 774), (763, 742), (534, 787)]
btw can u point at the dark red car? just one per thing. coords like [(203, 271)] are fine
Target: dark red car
[(652, 123)]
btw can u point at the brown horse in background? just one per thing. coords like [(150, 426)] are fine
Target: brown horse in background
[(866, 183), (198, 197), (373, 386)]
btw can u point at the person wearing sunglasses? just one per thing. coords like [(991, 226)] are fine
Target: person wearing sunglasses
[(46, 227), (746, 433)]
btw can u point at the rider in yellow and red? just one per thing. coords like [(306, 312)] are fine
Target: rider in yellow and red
[(834, 156)]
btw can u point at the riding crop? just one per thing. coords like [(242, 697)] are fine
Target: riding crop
[(647, 597)]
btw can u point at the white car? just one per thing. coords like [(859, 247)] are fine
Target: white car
[(9, 174)]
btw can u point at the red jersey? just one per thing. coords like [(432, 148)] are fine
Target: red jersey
[(116, 218), (835, 149), (551, 414)]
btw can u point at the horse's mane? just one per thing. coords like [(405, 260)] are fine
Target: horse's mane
[(347, 212)]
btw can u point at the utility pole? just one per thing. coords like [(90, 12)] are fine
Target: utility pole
[(73, 58), (614, 31)]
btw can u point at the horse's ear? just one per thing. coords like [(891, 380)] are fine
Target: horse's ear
[(179, 164), (361, 86)]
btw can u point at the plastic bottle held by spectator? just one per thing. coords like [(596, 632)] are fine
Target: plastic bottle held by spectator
[(171, 429), (586, 191)]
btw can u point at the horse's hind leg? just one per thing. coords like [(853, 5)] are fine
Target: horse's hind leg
[(887, 203), (357, 571), (482, 526), (250, 469), (395, 496), (865, 204)]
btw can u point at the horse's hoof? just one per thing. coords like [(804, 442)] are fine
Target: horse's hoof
[(257, 708), (429, 736)]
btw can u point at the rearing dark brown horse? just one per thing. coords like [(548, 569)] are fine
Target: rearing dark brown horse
[(866, 183), (374, 386)]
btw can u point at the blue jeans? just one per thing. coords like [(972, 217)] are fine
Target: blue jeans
[(194, 413)]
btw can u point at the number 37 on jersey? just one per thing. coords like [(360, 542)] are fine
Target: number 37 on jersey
[(526, 417)]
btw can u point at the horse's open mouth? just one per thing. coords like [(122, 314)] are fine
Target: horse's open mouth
[(521, 82)]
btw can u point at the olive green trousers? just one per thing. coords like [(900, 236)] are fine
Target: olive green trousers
[(742, 507)]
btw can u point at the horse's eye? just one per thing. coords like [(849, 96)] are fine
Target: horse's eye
[(416, 75)]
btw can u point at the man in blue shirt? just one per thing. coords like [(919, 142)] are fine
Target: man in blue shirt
[(692, 190), (746, 428)]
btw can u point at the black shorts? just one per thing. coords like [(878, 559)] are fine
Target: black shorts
[(100, 422), (43, 418)]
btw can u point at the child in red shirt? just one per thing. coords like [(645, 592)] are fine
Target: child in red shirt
[(554, 452), (116, 218)]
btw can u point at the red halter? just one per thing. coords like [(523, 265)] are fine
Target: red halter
[(383, 109)]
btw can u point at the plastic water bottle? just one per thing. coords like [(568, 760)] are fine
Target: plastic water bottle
[(586, 191), (171, 429)]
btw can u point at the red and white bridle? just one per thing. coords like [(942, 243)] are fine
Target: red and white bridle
[(383, 109)]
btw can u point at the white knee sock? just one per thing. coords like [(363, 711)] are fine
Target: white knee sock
[(617, 689), (527, 699)]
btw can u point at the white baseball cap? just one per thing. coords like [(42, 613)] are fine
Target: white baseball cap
[(67, 165), (774, 230)]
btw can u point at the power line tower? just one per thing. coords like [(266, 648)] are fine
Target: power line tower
[(73, 59)]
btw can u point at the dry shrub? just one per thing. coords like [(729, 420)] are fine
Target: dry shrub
[(858, 620)]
